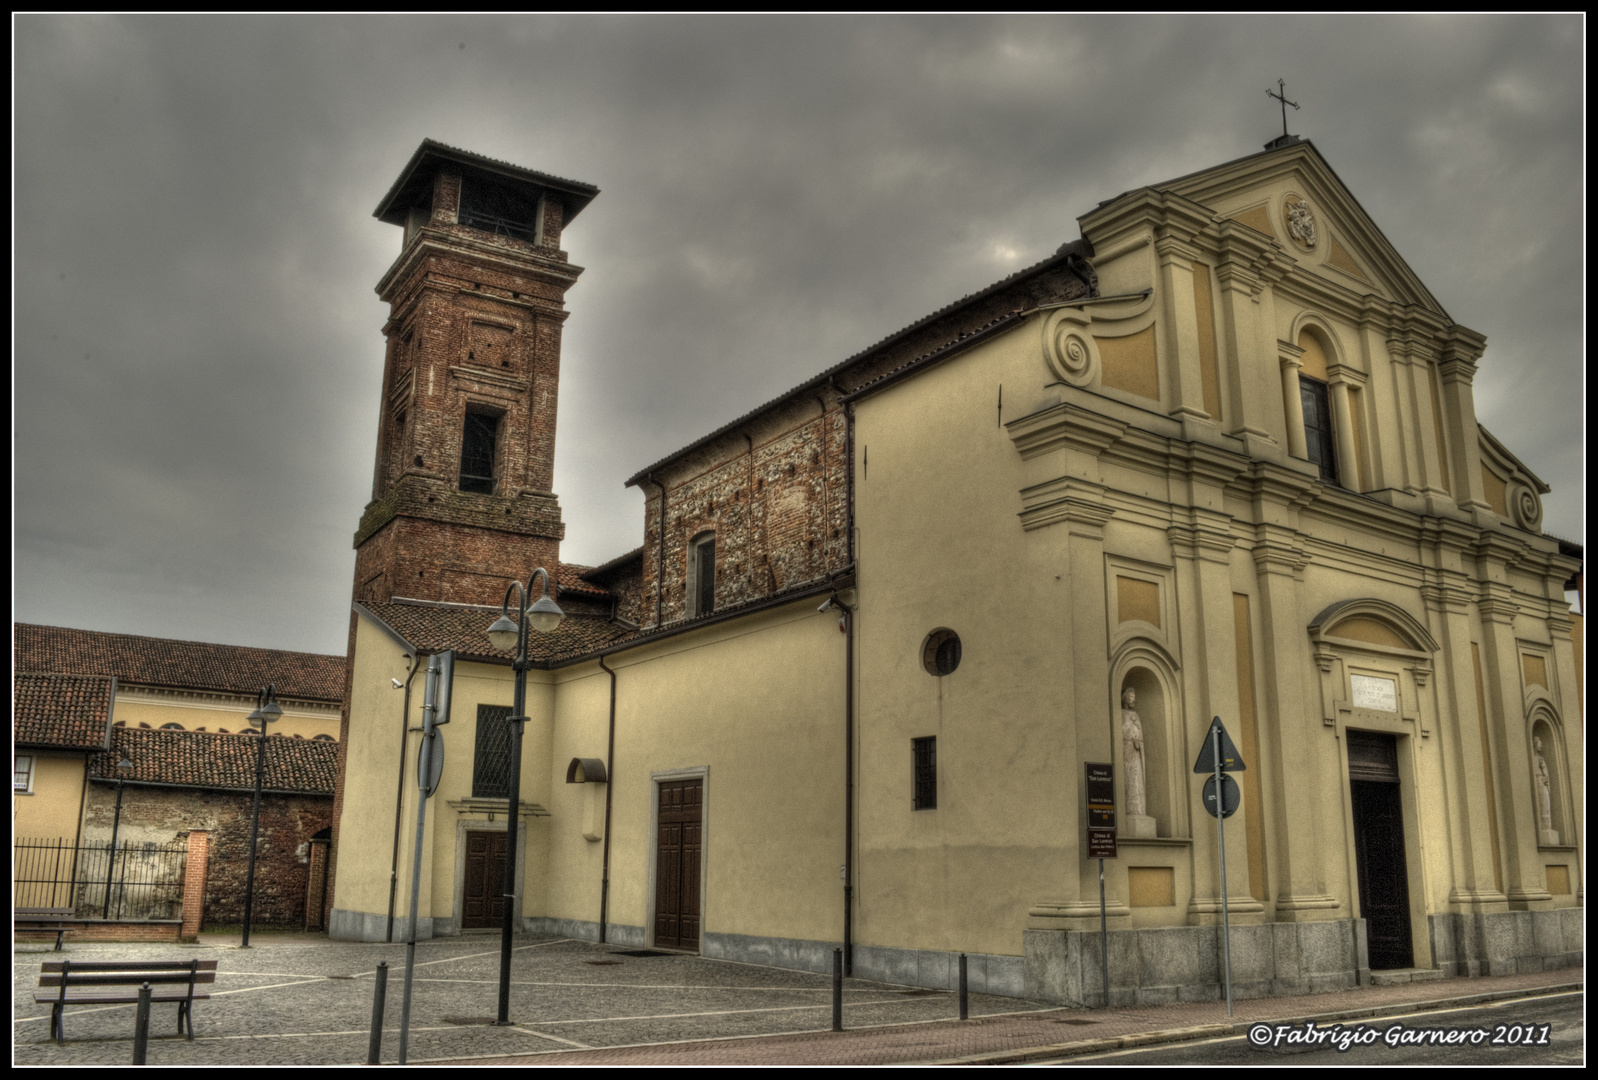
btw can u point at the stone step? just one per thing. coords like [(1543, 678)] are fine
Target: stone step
[(1396, 976)]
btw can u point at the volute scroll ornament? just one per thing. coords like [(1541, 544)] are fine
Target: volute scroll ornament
[(1526, 507), (1069, 349)]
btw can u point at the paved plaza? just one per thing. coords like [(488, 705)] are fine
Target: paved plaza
[(301, 1001), (308, 1001)]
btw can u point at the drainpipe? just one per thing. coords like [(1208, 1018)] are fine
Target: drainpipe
[(826, 507), (399, 794), (660, 562), (848, 782), (610, 786)]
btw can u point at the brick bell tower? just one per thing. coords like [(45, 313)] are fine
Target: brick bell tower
[(461, 500)]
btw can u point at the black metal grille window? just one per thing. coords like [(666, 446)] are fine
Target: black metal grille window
[(492, 764), (925, 755), (502, 209), (705, 583), (477, 453), (1318, 426)]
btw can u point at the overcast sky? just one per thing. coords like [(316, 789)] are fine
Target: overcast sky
[(197, 347)]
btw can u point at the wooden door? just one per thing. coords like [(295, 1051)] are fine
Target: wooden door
[(678, 844), (483, 903), (1383, 873)]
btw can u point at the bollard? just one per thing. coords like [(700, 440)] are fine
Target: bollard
[(141, 1026), (965, 1009), (374, 1046), (837, 989)]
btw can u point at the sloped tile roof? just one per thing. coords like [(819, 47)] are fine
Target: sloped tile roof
[(206, 759), (189, 665), (438, 627), (67, 712), (571, 578)]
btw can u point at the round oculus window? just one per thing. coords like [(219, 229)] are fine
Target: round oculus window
[(941, 653)]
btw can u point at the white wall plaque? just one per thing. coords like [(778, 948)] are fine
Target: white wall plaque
[(1380, 695)]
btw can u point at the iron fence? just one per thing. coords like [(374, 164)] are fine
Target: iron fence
[(140, 880)]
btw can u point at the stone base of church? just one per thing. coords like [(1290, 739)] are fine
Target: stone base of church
[(1139, 827), (1156, 966), (345, 925), (585, 930), (1507, 942)]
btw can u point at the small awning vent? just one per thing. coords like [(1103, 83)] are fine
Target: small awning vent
[(585, 770)]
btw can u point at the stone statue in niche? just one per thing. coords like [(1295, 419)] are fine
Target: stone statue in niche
[(1133, 764), (1545, 798)]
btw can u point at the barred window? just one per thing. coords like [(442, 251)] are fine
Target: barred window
[(924, 753), (491, 767)]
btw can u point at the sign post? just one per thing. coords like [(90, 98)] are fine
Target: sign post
[(1101, 846), (1220, 756), (429, 767)]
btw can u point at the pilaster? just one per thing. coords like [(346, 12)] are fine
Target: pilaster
[(1501, 677)]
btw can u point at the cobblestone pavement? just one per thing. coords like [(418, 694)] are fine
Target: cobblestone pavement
[(302, 1001), (1048, 1033)]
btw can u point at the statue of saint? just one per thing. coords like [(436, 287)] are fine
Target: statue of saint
[(1132, 755), (1545, 800)]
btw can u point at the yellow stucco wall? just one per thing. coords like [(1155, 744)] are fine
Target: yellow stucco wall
[(52, 810), (215, 712)]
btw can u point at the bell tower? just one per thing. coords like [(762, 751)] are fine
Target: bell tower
[(461, 493)]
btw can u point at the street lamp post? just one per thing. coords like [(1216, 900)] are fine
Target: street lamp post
[(124, 767), (543, 616), (267, 711)]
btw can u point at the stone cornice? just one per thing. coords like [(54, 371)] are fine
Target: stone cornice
[(433, 242)]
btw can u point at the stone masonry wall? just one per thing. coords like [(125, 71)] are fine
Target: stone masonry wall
[(162, 815)]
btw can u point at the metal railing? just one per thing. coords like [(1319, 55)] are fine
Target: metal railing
[(142, 880)]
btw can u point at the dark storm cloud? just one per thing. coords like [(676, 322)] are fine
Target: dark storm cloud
[(197, 345)]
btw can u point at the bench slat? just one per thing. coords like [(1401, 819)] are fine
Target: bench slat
[(134, 979), (113, 999), (127, 965)]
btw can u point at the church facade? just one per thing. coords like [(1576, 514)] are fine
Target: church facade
[(1217, 458)]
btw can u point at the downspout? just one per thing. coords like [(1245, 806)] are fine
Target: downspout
[(610, 786), (848, 784), (399, 793), (750, 487), (848, 681), (826, 508), (660, 561)]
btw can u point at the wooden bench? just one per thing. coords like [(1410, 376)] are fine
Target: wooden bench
[(45, 919), (78, 982)]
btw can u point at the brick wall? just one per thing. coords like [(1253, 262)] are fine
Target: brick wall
[(288, 822), (475, 325)]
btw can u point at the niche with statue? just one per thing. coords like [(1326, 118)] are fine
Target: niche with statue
[(1547, 785), (1145, 756)]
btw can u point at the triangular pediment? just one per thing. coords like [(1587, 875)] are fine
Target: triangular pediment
[(1289, 195), (1292, 195)]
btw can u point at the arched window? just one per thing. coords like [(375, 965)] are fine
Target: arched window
[(171, 727)]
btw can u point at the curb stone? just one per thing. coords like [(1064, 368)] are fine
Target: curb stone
[(1239, 1027)]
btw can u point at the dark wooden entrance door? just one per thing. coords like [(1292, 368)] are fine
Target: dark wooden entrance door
[(484, 901), (677, 850), (1383, 872)]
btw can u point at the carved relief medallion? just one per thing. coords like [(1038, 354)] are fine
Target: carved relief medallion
[(1300, 222)]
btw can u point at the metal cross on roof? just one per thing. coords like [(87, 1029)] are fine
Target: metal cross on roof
[(1282, 88)]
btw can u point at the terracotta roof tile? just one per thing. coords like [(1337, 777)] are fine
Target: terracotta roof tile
[(70, 712), (212, 760), (570, 578), (438, 627), (191, 665)]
